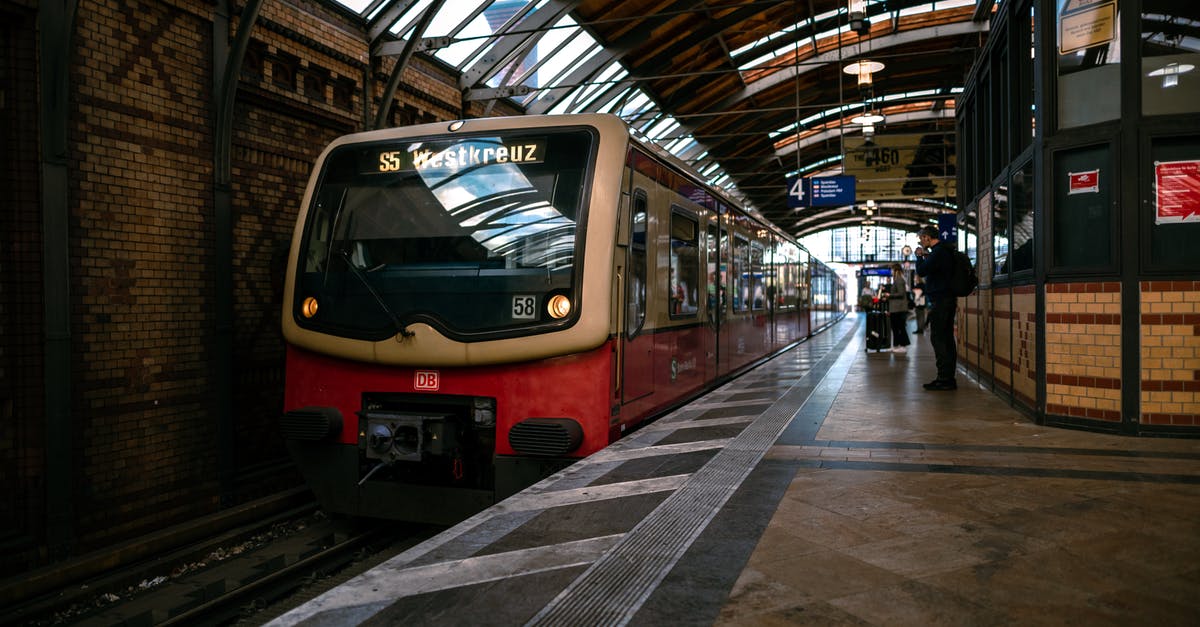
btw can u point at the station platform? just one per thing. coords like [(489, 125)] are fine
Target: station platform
[(825, 487)]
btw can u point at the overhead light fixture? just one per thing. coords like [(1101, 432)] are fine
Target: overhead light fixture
[(867, 118), (863, 69), (857, 9), (1170, 73)]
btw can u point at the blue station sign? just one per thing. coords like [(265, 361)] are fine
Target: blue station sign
[(820, 191), (948, 227)]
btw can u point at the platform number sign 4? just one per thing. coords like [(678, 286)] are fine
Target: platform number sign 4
[(798, 192), (524, 307)]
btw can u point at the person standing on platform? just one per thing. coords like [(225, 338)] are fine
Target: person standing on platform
[(935, 263), (897, 307)]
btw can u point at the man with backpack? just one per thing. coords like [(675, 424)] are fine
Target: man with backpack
[(935, 263)]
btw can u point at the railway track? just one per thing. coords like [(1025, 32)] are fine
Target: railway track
[(247, 573)]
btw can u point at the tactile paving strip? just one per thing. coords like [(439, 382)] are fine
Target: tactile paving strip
[(614, 587)]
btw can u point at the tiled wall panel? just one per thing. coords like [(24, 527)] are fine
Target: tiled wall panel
[(968, 327), (1024, 325), (1002, 331), (1083, 350), (1170, 353)]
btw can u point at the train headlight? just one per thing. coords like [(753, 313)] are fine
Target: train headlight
[(308, 308), (407, 440), (558, 306), (380, 438)]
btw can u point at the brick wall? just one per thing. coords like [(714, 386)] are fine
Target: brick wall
[(968, 327), (22, 415), (997, 333), (141, 242), (300, 88), (141, 248), (1170, 353), (1002, 347), (1024, 363), (1083, 350)]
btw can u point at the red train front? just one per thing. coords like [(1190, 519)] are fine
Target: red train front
[(473, 305)]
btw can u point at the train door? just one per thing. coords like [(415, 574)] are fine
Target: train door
[(769, 293), (682, 338), (733, 339), (758, 340), (714, 307), (637, 353), (804, 294)]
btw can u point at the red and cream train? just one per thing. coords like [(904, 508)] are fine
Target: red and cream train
[(473, 305)]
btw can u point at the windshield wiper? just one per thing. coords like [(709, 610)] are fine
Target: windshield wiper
[(400, 328)]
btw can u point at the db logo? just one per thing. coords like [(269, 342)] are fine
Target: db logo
[(426, 380)]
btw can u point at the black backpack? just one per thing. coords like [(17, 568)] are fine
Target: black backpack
[(962, 279)]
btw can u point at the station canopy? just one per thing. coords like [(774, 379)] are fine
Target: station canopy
[(752, 94)]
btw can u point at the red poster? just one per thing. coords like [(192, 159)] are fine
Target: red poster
[(1083, 182), (1177, 191)]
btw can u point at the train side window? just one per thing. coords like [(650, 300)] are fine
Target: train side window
[(714, 285), (635, 276), (741, 266), (684, 281)]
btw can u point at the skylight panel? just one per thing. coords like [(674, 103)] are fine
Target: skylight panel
[(940, 5), (816, 165), (607, 97), (643, 122), (358, 6), (613, 73), (551, 54), (681, 146), (409, 19), (783, 131), (611, 105), (635, 106), (765, 58), (786, 46), (841, 110), (663, 127), (474, 34), (574, 54)]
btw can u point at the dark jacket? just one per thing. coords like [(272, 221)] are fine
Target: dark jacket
[(936, 267)]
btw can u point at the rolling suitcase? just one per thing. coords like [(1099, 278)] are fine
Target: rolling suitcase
[(879, 335)]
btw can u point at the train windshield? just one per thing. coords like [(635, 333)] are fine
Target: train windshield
[(473, 235)]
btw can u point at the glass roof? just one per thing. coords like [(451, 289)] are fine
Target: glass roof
[(764, 52), (552, 65)]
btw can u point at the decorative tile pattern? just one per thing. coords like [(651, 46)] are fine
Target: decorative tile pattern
[(1170, 341), (1083, 350)]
